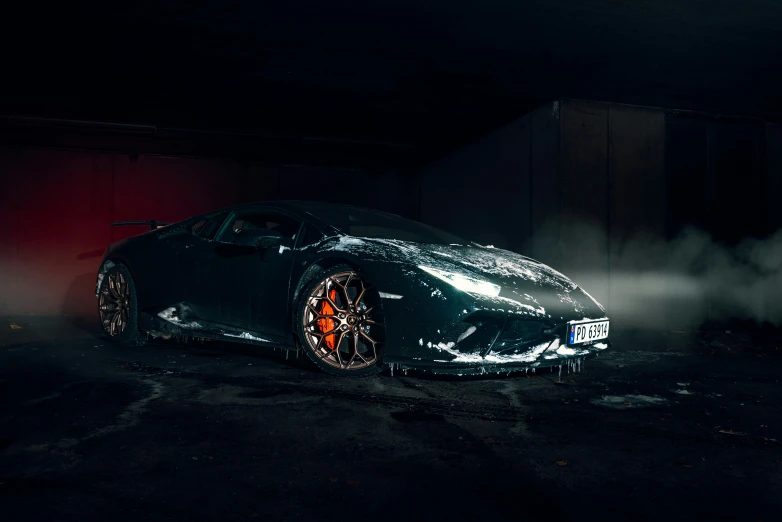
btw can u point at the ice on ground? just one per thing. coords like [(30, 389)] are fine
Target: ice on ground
[(623, 402)]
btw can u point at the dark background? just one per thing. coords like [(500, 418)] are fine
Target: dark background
[(470, 116), (634, 145)]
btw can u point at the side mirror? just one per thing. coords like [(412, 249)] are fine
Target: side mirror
[(259, 238)]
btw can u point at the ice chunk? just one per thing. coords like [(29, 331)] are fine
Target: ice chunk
[(466, 333), (172, 316), (246, 335)]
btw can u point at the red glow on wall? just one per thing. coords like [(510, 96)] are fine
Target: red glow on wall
[(57, 206), (56, 210)]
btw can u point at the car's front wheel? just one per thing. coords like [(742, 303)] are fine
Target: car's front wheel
[(339, 323)]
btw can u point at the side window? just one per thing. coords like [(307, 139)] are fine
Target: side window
[(208, 226), (279, 224), (197, 226), (211, 227)]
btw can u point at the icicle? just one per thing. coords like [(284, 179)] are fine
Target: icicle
[(286, 354), (560, 373), (405, 372), (392, 369)]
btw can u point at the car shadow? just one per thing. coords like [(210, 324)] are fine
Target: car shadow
[(209, 348)]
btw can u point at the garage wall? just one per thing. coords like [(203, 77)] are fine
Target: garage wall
[(610, 189), (50, 226), (584, 199), (483, 191), (565, 184), (636, 192), (56, 207), (774, 175), (609, 196)]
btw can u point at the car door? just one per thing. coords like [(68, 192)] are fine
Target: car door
[(252, 282), (196, 255)]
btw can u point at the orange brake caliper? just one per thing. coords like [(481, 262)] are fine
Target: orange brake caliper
[(325, 325)]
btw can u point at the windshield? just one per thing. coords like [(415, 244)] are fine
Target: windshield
[(369, 224)]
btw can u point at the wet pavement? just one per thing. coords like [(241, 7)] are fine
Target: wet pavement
[(677, 425)]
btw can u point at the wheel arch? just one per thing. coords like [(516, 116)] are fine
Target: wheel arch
[(116, 259), (321, 264), (312, 278)]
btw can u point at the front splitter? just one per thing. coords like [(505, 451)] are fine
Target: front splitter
[(485, 368)]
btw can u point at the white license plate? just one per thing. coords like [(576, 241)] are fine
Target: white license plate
[(580, 332)]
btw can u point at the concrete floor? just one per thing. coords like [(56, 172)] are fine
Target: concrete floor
[(683, 426)]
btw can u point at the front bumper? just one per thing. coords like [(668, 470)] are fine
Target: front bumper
[(552, 355)]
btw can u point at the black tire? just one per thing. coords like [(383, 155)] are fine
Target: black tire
[(324, 358), (128, 333)]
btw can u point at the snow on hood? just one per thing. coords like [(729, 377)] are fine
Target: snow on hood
[(494, 264)]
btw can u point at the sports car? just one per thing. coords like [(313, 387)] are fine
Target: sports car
[(356, 290)]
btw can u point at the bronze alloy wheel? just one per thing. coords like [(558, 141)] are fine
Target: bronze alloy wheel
[(114, 305), (340, 326)]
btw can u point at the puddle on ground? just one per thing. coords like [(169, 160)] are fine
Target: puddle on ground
[(625, 402), (247, 395)]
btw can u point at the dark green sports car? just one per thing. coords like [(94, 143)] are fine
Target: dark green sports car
[(357, 290)]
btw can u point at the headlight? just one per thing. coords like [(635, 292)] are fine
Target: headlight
[(464, 283)]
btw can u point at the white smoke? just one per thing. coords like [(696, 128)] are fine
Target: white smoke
[(649, 282)]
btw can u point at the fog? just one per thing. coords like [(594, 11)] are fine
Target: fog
[(648, 282)]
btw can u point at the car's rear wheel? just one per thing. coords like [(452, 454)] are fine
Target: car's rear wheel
[(339, 323), (118, 307)]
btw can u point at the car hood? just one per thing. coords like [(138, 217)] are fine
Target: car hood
[(491, 264), (524, 281)]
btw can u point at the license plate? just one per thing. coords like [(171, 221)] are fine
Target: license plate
[(580, 332)]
